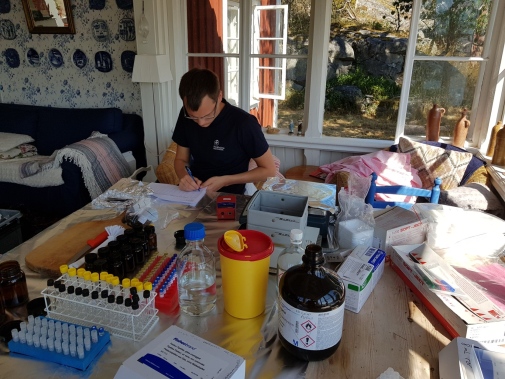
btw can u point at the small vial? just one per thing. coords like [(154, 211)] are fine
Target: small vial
[(94, 335), (43, 341), (50, 344), (79, 330), (73, 349), (64, 272), (15, 335), (101, 331), (57, 345), (22, 326), (71, 329), (34, 339), (80, 352), (28, 339), (87, 343), (31, 319), (57, 325), (64, 347), (64, 328), (87, 333), (38, 320), (57, 334)]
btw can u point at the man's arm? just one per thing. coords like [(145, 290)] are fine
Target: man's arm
[(181, 161), (266, 168)]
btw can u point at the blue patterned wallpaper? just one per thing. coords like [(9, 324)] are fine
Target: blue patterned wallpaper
[(91, 68)]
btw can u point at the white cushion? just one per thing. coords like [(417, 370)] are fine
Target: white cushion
[(9, 141)]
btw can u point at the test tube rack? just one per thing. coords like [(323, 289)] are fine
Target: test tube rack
[(161, 272), (118, 319), (58, 347)]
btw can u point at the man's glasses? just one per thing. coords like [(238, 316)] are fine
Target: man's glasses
[(208, 117)]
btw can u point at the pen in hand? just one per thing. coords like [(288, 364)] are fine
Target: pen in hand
[(191, 175)]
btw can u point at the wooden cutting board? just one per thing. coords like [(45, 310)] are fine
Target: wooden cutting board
[(58, 250)]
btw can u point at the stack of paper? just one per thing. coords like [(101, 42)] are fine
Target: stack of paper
[(174, 194)]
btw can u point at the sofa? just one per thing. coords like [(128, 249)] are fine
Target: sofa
[(54, 128)]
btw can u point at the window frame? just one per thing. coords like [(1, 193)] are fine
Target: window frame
[(489, 106)]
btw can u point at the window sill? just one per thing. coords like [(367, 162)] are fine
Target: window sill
[(352, 145)]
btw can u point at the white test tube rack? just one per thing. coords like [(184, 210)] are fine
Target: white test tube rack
[(118, 320)]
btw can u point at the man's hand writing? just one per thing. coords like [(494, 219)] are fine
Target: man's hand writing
[(188, 184)]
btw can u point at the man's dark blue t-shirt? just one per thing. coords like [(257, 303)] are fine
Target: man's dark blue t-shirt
[(224, 147)]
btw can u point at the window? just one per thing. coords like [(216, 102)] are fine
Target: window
[(322, 77)]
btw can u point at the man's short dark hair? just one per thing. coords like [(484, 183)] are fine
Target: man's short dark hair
[(196, 84)]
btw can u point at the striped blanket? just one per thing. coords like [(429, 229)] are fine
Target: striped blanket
[(98, 157)]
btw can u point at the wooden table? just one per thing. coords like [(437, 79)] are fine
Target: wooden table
[(393, 329), (302, 173)]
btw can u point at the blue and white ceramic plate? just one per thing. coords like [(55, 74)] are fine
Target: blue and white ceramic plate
[(32, 56), (127, 59), (103, 61), (55, 58), (124, 4), (12, 58), (7, 29), (100, 30), (5, 6), (127, 29), (96, 4), (80, 59)]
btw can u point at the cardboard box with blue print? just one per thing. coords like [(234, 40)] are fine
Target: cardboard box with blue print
[(360, 273)]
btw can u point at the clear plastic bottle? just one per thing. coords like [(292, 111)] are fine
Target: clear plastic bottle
[(292, 255), (311, 308), (196, 273)]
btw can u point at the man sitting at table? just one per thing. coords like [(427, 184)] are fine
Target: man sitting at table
[(216, 140)]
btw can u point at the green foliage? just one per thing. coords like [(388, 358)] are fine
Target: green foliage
[(379, 87), (294, 99)]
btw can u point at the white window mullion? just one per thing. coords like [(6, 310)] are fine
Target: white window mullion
[(317, 67), (246, 19)]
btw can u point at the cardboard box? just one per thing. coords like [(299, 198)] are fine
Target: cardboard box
[(454, 359), (277, 210), (456, 317), (398, 226), (360, 273), (177, 353)]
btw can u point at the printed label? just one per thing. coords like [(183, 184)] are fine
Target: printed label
[(309, 330)]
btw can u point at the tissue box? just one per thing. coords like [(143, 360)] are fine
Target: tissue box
[(354, 232), (398, 226), (360, 273)]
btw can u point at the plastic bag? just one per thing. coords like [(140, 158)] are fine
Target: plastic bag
[(355, 222)]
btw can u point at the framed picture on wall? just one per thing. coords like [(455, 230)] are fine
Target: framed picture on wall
[(49, 16)]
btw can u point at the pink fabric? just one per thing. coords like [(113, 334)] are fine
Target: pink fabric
[(391, 169)]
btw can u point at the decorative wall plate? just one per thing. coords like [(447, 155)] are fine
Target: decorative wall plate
[(55, 58), (12, 58), (127, 29), (127, 59), (124, 4), (32, 56), (5, 6), (96, 4), (8, 30), (100, 30), (103, 61), (79, 58)]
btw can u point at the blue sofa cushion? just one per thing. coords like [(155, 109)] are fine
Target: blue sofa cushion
[(59, 127), (15, 120)]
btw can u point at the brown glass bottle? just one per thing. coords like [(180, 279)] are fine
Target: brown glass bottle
[(433, 126), (13, 284), (152, 238), (492, 140), (499, 150), (311, 308)]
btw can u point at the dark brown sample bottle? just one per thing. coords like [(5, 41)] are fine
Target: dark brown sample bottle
[(433, 126), (13, 284), (311, 308), (461, 130)]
